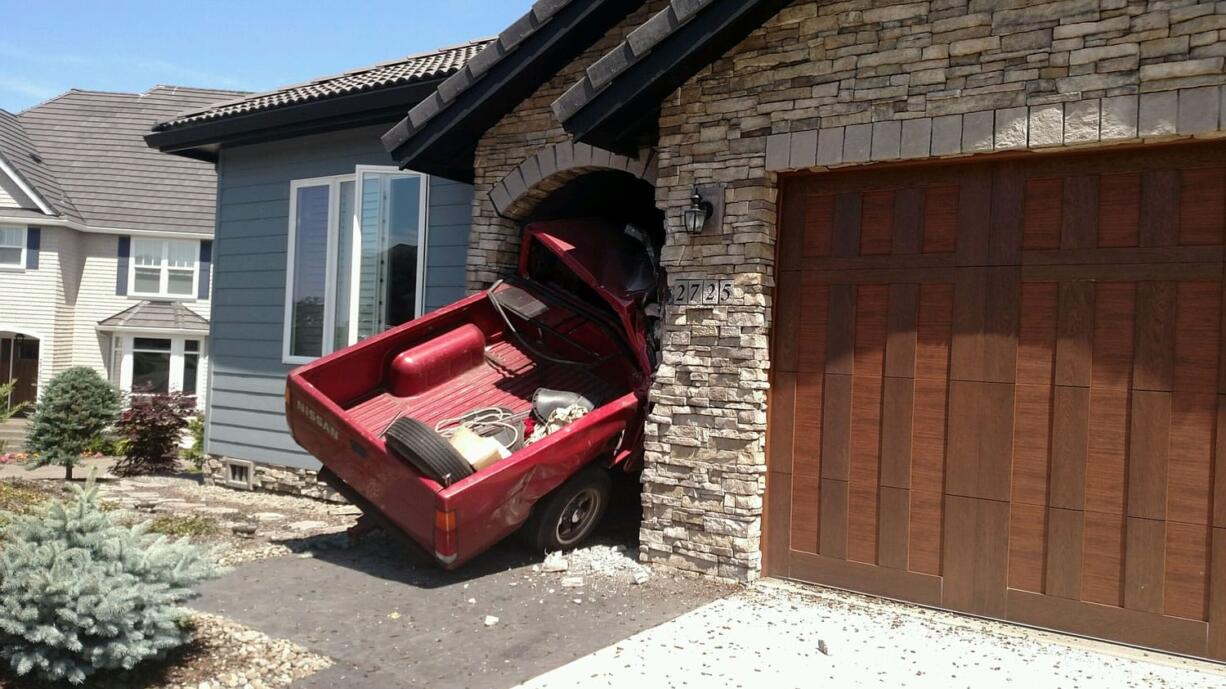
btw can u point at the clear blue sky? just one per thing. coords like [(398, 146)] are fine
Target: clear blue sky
[(50, 46)]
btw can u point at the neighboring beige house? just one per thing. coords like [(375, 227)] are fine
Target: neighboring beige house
[(105, 245)]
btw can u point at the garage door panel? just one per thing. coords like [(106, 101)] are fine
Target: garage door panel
[(804, 507), (1144, 564), (836, 426), (1074, 328), (1012, 385), (941, 212), (1008, 201), (974, 217), (1147, 454), (1065, 532), (1027, 546), (1102, 574), (840, 329), (845, 240), (1217, 597), (893, 531), (1036, 344), (1202, 207), (1159, 224), (1031, 444), (897, 414), (1069, 445), (980, 430), (976, 555), (1079, 229), (877, 223), (1107, 454), (832, 534), (908, 221), (1197, 326), (901, 330), (1154, 362), (807, 424), (1219, 472), (1043, 213), (926, 531), (1186, 589), (1119, 209)]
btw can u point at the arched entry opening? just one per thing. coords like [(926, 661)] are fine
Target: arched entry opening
[(626, 196), (19, 365)]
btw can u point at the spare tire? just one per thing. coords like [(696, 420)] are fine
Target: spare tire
[(427, 451)]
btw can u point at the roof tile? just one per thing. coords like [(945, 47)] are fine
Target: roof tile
[(407, 70)]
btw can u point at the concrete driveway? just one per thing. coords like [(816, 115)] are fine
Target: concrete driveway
[(785, 636), (391, 621)]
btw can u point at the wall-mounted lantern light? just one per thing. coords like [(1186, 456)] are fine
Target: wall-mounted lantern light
[(697, 213)]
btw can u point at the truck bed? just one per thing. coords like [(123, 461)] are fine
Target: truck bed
[(510, 384)]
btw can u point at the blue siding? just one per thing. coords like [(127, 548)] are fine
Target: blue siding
[(247, 378)]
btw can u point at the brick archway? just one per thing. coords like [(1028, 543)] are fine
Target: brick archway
[(516, 194)]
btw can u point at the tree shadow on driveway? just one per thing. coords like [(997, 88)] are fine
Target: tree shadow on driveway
[(392, 620)]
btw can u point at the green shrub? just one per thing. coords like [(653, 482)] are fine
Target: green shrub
[(195, 453), (105, 445), (77, 406), (151, 429), (80, 592)]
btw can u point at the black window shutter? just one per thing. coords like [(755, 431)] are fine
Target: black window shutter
[(34, 238), (121, 274), (206, 264)]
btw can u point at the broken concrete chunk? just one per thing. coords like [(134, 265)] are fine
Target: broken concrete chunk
[(490, 620), (555, 562), (572, 582), (641, 576)]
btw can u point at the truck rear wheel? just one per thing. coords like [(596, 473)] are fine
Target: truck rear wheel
[(427, 451), (568, 515)]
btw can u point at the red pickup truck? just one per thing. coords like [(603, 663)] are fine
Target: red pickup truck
[(571, 327)]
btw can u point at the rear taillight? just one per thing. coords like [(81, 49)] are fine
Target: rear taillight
[(445, 545)]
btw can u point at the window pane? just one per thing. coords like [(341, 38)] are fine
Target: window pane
[(191, 364), (310, 263), (180, 282), (155, 343), (344, 266), (147, 252), (390, 214), (184, 254), (191, 345), (147, 280), (12, 236), (150, 372), (10, 257)]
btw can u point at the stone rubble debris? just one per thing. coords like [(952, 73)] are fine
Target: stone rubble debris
[(572, 582), (555, 562), (490, 620)]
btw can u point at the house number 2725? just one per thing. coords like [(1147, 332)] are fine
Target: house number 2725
[(699, 292)]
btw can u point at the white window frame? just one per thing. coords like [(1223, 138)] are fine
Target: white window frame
[(334, 182), (334, 195), (126, 344), (164, 269), (24, 234)]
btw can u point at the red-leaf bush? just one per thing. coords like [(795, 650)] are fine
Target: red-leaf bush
[(153, 427)]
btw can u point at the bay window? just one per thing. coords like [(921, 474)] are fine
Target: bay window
[(356, 258), (157, 364), (12, 247), (164, 267)]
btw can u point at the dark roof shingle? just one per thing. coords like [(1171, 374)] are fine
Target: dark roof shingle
[(92, 144), (407, 70), (160, 315), (23, 157)]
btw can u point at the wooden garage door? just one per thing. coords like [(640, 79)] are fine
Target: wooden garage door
[(998, 386)]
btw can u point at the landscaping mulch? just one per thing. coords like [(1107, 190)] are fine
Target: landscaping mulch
[(221, 655)]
